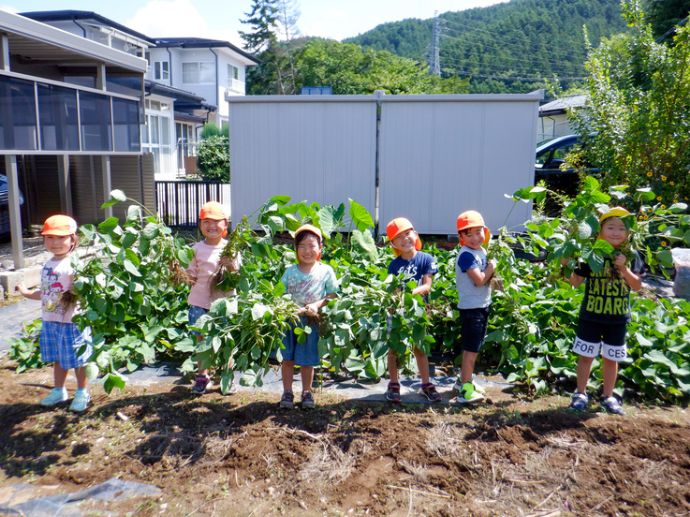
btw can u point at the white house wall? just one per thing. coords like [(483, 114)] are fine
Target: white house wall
[(205, 90), (441, 157), (323, 152)]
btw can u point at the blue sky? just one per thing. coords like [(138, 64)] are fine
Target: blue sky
[(335, 19)]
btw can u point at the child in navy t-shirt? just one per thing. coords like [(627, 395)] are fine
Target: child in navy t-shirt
[(416, 265)]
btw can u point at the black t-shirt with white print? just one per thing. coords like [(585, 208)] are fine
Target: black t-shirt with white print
[(607, 295)]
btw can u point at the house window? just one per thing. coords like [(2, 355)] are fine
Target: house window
[(161, 70), (198, 73), (233, 74)]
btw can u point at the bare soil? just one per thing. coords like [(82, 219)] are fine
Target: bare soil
[(241, 455)]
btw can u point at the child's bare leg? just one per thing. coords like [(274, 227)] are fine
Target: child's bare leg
[(467, 368), (287, 369), (59, 375), (307, 374), (80, 374), (584, 365), (610, 372), (393, 367), (422, 364)]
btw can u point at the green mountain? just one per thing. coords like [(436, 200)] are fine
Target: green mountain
[(511, 47)]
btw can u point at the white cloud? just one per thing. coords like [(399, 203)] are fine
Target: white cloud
[(9, 9), (178, 18)]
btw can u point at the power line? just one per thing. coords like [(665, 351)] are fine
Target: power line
[(462, 65)]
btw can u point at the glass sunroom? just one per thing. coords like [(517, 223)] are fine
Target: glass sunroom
[(47, 116), (71, 113)]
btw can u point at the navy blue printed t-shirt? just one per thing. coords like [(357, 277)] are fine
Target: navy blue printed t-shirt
[(420, 265)]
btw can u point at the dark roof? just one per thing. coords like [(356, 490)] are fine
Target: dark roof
[(183, 98), (66, 15), (171, 91), (201, 43)]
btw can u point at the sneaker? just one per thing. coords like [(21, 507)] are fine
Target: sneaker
[(287, 401), (468, 395), (611, 405), (458, 386), (429, 391), (56, 396), (579, 401), (393, 393), (201, 384), (308, 400), (80, 401)]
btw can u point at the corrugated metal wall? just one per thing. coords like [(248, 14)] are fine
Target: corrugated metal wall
[(438, 154), (439, 158), (323, 151)]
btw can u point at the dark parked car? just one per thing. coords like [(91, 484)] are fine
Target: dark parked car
[(550, 157), (4, 209)]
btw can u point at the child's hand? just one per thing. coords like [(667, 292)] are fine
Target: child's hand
[(228, 263), (490, 267), (192, 279), (620, 261), (311, 309)]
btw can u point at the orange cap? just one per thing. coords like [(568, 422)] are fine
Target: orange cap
[(309, 228), (213, 210), (472, 219), (398, 226), (60, 225)]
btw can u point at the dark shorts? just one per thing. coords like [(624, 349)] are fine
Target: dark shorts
[(596, 332), (594, 338), (473, 324)]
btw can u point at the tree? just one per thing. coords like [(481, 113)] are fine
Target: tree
[(262, 18), (639, 109), (349, 69), (664, 15), (213, 157), (275, 72)]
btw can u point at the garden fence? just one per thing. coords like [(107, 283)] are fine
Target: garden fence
[(178, 202)]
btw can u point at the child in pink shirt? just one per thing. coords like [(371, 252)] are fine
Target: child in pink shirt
[(213, 223)]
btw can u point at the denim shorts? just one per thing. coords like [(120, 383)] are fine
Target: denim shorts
[(304, 354), (473, 324), (194, 314), (62, 343)]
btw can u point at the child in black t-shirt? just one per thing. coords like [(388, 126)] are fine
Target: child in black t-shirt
[(605, 312)]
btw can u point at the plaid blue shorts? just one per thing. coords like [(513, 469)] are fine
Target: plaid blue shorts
[(194, 314), (65, 344)]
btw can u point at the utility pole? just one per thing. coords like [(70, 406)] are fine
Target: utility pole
[(434, 53)]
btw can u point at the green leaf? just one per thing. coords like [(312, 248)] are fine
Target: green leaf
[(226, 379), (327, 221), (114, 380), (116, 196), (360, 216), (150, 231), (108, 225), (130, 267), (365, 241)]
